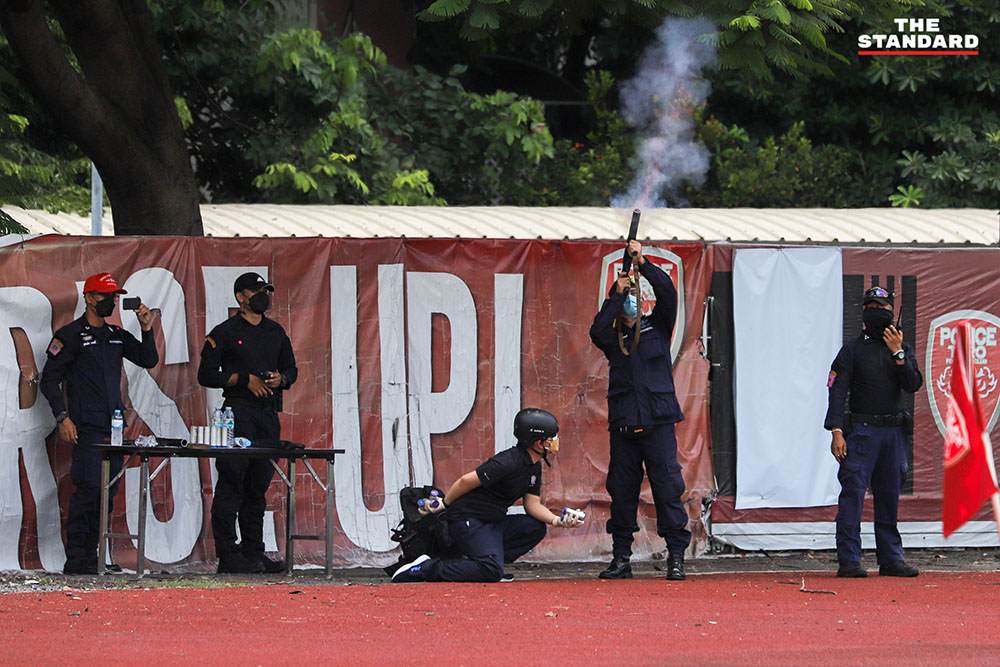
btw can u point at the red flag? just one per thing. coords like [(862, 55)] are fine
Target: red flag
[(969, 479)]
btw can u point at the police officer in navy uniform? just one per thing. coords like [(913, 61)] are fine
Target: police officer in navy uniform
[(86, 355), (476, 509), (250, 358), (873, 370), (642, 411)]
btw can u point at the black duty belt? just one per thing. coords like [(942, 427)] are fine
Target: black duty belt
[(633, 430), (269, 403), (878, 420)]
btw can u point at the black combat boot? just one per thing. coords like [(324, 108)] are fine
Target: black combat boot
[(619, 568), (851, 570), (675, 567), (897, 569), (237, 563)]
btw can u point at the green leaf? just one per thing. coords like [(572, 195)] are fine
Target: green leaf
[(485, 18), (448, 8), (746, 22)]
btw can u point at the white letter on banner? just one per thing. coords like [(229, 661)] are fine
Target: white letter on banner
[(171, 540), (508, 291), (430, 412), (25, 429), (365, 528), (219, 298)]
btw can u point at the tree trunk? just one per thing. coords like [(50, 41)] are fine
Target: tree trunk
[(120, 111)]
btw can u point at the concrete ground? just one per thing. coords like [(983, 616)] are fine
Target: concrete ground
[(936, 560)]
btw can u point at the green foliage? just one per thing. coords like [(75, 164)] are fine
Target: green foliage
[(591, 172), (908, 196), (30, 178), (37, 169), (921, 130), (274, 112), (783, 172), (754, 37), (949, 143), (293, 117)]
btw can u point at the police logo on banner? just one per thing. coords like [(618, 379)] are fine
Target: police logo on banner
[(985, 363), (671, 264)]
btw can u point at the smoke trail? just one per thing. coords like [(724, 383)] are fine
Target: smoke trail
[(660, 102)]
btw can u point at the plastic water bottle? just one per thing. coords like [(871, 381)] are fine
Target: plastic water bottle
[(429, 502), (229, 421), (117, 428), (217, 418)]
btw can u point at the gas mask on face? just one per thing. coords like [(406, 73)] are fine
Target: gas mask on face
[(260, 302), (876, 320), (105, 306), (631, 306)]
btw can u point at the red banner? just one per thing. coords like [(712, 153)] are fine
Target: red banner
[(968, 475), (413, 355)]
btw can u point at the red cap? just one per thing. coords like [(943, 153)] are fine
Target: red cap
[(102, 282)]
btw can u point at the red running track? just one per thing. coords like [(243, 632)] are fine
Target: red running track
[(759, 618)]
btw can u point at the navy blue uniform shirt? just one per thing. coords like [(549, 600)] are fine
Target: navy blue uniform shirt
[(865, 369), (640, 385), (506, 478), (236, 346), (89, 359)]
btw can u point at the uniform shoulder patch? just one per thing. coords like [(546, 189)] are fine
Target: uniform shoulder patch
[(831, 379), (210, 341), (55, 347)]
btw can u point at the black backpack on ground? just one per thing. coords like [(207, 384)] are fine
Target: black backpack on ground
[(418, 533)]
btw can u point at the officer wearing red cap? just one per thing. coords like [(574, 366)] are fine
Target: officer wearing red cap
[(86, 356), (250, 358), (869, 376)]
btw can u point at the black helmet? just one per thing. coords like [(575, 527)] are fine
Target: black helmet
[(533, 424)]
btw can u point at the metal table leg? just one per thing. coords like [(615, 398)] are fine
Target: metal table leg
[(329, 517), (102, 544), (140, 563), (290, 517)]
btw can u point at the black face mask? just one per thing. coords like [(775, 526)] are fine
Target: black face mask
[(260, 302), (105, 306), (876, 320)]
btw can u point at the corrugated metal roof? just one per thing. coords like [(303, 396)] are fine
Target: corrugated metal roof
[(875, 226)]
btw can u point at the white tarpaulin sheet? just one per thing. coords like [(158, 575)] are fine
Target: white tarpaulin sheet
[(788, 324)]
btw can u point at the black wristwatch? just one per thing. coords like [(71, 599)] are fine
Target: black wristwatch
[(901, 355), (61, 417)]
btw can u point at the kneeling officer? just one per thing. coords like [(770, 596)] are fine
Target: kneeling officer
[(477, 503)]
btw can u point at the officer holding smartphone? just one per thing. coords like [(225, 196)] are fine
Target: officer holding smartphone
[(869, 375), (249, 356), (86, 356)]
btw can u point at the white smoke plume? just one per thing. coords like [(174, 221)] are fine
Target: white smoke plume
[(659, 102)]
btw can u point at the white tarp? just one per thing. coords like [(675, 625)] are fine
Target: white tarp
[(788, 324)]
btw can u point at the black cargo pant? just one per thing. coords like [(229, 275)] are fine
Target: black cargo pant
[(655, 449), (240, 492), (84, 519)]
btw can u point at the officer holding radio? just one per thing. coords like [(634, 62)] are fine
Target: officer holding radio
[(869, 442), (249, 356), (476, 509), (642, 411), (86, 356)]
